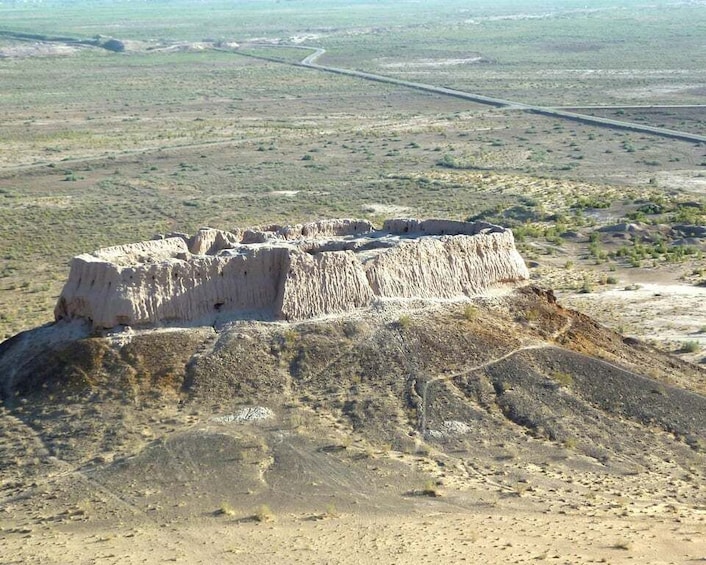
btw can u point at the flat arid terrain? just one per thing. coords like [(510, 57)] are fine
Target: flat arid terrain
[(558, 422)]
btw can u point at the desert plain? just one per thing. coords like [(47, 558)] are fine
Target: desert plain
[(301, 443)]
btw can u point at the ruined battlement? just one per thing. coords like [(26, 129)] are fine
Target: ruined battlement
[(287, 272)]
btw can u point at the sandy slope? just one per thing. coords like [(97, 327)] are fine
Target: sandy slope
[(666, 313), (434, 532)]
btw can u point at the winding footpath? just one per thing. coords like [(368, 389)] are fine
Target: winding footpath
[(468, 370)]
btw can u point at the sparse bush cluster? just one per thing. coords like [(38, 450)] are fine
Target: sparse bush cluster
[(562, 378), (638, 252), (690, 347)]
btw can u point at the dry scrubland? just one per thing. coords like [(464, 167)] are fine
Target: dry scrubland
[(101, 148)]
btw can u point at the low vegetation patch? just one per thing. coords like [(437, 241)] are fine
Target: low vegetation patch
[(264, 514), (690, 347)]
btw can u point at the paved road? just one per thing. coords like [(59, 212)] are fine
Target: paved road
[(310, 62), (634, 107)]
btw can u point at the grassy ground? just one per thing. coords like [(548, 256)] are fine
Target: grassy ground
[(104, 148)]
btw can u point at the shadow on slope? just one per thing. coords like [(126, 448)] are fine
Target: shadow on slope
[(483, 397)]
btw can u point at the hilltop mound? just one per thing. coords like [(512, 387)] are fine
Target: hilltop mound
[(505, 405)]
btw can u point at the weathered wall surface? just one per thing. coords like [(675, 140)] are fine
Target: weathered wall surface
[(288, 273), (324, 283), (412, 226), (173, 289), (208, 241), (326, 228), (446, 267), (142, 252)]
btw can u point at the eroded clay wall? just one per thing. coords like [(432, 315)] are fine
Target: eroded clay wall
[(326, 228), (293, 273), (446, 267), (412, 226), (173, 289), (323, 283)]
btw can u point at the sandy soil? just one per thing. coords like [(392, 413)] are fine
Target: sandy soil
[(169, 481), (434, 533), (20, 49), (667, 314), (431, 63)]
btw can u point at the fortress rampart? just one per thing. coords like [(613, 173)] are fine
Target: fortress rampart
[(287, 272)]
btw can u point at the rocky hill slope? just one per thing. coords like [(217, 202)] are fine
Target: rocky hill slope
[(499, 404)]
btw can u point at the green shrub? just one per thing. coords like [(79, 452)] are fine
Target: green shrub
[(690, 347), (470, 312), (586, 287), (562, 378), (264, 514), (225, 510)]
